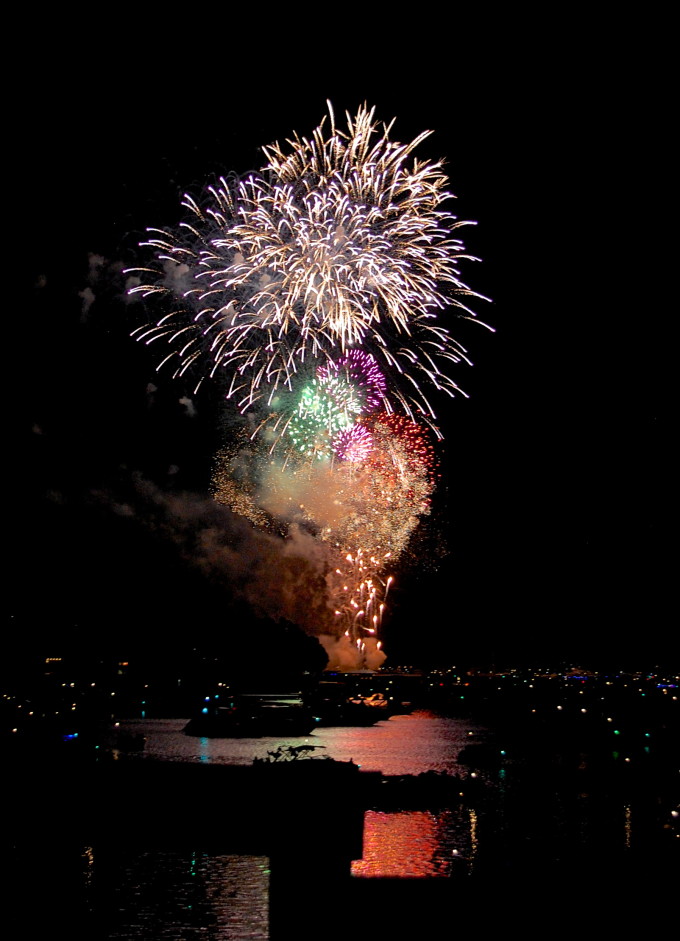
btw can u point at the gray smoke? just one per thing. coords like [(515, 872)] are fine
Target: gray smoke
[(278, 578)]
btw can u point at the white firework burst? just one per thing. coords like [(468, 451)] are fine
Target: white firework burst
[(340, 242)]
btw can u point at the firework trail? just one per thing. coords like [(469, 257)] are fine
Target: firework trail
[(316, 289)]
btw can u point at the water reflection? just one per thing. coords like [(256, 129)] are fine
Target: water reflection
[(175, 895), (474, 840), (413, 844), (88, 865), (628, 824), (402, 745)]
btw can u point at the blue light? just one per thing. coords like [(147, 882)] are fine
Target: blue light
[(204, 710)]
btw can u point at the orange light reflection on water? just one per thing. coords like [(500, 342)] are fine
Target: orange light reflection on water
[(405, 844)]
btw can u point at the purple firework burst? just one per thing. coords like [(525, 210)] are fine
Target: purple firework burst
[(353, 444), (361, 370)]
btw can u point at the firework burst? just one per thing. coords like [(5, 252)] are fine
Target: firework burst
[(360, 371), (339, 244), (362, 505), (354, 444)]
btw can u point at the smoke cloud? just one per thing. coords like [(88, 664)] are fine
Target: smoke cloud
[(279, 578), (344, 656)]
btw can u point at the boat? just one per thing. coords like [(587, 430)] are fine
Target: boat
[(334, 707), (254, 715)]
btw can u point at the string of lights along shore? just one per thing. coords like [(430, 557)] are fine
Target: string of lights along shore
[(319, 291)]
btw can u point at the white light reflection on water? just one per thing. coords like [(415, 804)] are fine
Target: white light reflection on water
[(185, 896)]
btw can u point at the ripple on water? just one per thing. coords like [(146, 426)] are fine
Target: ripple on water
[(409, 744)]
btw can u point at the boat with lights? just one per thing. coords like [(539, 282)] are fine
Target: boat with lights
[(254, 715)]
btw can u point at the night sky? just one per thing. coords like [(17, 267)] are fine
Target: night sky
[(550, 533)]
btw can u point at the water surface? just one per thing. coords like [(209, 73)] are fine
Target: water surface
[(401, 745)]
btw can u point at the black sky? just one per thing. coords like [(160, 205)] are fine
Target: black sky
[(555, 495)]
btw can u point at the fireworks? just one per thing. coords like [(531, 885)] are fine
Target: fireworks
[(318, 290), (354, 444), (362, 503), (339, 245), (320, 414), (361, 372)]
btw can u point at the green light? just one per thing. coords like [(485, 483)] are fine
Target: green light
[(616, 732), (319, 416)]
